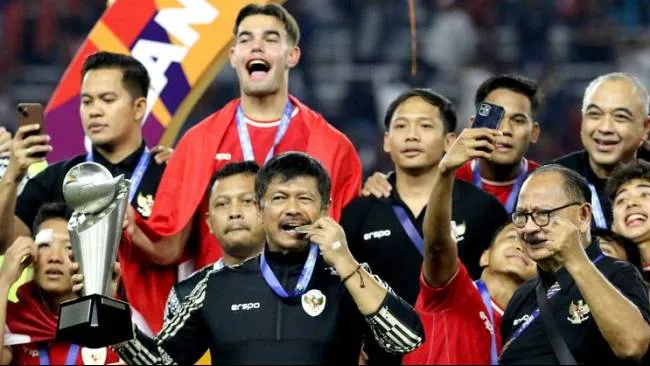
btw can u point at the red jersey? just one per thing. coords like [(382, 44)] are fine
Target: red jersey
[(182, 193), (456, 323), (29, 325), (29, 354), (500, 190)]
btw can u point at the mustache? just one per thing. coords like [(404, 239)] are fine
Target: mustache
[(533, 239)]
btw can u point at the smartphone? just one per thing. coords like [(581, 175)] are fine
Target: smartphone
[(29, 114), (488, 116)]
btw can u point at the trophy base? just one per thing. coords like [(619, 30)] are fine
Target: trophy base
[(94, 321)]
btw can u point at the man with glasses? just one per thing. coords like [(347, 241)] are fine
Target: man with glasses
[(584, 307)]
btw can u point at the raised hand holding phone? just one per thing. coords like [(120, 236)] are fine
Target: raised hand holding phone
[(30, 145)]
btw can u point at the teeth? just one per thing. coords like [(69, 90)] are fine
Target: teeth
[(634, 217)]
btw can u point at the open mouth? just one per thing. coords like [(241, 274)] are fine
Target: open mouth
[(289, 227), (635, 219), (605, 145), (53, 273), (258, 68)]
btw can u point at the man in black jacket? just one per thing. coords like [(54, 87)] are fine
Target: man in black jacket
[(615, 124), (288, 305)]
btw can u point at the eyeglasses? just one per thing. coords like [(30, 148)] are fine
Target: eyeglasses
[(540, 217)]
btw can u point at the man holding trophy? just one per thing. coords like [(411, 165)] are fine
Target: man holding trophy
[(29, 326), (90, 235)]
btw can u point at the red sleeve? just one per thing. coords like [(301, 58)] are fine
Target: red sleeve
[(183, 183), (458, 288), (465, 172), (532, 165), (346, 181)]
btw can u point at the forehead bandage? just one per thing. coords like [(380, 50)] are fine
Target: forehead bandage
[(44, 236)]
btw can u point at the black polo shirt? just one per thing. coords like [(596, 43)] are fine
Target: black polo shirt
[(375, 234), (579, 162), (571, 314), (47, 186)]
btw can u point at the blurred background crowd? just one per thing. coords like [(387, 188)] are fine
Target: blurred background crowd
[(357, 57)]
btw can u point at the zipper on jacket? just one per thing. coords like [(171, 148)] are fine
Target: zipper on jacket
[(278, 323)]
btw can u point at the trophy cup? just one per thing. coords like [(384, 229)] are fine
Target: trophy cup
[(99, 202)]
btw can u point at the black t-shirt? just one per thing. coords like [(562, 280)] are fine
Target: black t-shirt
[(579, 162), (571, 313), (47, 186), (375, 234)]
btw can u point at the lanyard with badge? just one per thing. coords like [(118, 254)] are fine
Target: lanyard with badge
[(487, 301), (529, 320), (512, 197), (597, 209), (138, 173), (303, 280), (244, 137), (410, 229), (70, 358)]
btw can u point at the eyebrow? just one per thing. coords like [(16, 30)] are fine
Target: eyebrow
[(517, 115), (244, 33), (265, 34), (271, 33), (593, 106), (103, 94), (624, 110)]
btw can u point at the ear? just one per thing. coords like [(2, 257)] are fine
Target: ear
[(534, 136), (140, 105), (471, 122), (325, 210), (585, 217), (484, 261), (207, 220), (294, 57), (646, 129), (386, 143), (450, 138), (231, 56)]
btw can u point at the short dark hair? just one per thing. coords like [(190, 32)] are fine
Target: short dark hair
[(273, 10), (53, 210), (498, 231), (231, 169), (435, 99), (292, 165), (631, 250), (516, 83), (638, 169), (575, 185), (135, 77)]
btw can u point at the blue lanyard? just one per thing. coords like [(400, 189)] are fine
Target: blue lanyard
[(70, 359), (303, 280), (244, 137), (597, 209), (536, 313), (487, 301), (410, 229), (138, 173), (512, 197)]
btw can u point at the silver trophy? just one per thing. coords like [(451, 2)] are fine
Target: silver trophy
[(99, 202)]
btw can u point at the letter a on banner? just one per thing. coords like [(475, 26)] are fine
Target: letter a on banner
[(182, 43)]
